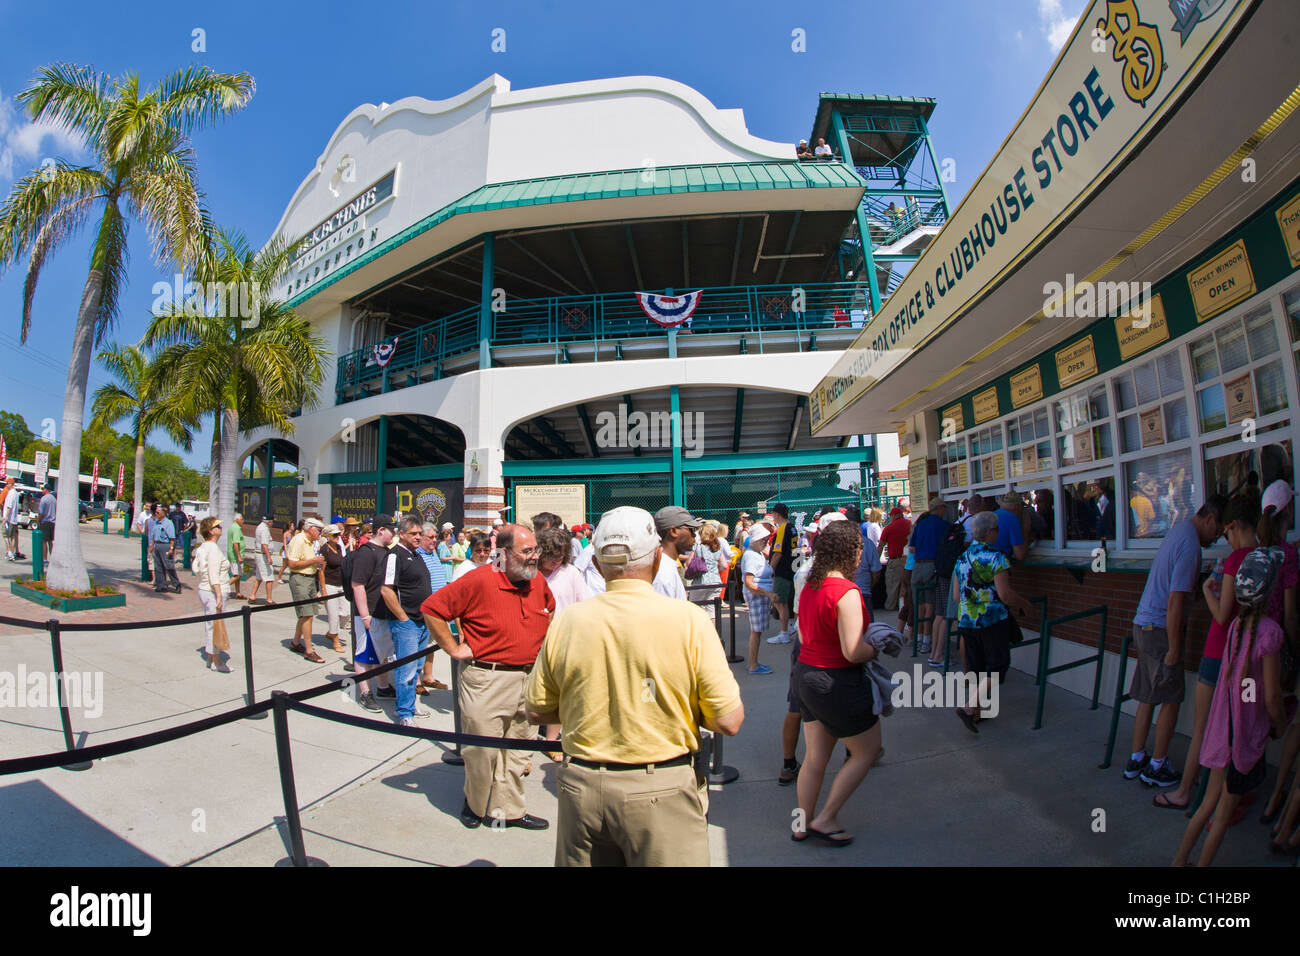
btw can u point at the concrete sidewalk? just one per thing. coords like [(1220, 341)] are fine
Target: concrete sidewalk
[(940, 796)]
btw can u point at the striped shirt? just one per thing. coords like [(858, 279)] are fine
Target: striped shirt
[(501, 623), (437, 574)]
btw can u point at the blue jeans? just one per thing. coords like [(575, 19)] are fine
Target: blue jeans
[(408, 637)]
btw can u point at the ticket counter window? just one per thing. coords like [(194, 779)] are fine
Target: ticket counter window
[(1238, 372), (1291, 302), (1029, 438), (952, 459), (987, 461), (1083, 427), (1088, 506), (1159, 491), (1150, 402), (1250, 470)]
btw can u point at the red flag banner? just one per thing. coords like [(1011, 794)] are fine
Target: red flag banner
[(4, 459), (94, 480), (121, 480)]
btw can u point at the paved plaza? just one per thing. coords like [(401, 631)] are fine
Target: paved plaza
[(940, 796)]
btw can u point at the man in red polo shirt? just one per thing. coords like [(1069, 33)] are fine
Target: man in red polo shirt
[(893, 541), (504, 613)]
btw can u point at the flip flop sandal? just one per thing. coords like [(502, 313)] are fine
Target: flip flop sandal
[(298, 648), (827, 839), (314, 658), (1162, 801), (555, 755)]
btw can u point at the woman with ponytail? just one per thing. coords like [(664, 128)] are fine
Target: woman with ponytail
[(1247, 706)]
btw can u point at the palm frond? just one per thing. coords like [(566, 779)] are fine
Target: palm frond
[(74, 97), (111, 256), (196, 96)]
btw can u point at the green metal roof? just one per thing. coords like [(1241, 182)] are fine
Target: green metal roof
[(579, 187)]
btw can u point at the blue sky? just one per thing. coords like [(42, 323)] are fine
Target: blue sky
[(981, 59)]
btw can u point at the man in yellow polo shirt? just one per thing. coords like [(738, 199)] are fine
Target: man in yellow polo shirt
[(632, 676)]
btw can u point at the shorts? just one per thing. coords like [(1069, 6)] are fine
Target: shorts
[(302, 587), (1208, 672), (47, 532), (946, 607), (1153, 681), (11, 528), (791, 695), (987, 650), (838, 698), (1239, 783), (263, 567), (374, 646), (924, 576), (784, 588), (760, 612)]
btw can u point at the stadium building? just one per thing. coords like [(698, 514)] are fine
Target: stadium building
[(585, 295), (1109, 324)]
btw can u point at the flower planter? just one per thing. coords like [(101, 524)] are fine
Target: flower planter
[(66, 605)]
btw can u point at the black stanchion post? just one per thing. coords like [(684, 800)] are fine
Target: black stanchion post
[(144, 557), (280, 712), (246, 613), (731, 640), (56, 650), (720, 773), (453, 757)]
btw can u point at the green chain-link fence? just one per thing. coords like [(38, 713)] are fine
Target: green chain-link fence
[(722, 495)]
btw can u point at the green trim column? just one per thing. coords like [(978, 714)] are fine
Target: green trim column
[(679, 483), (270, 470), (925, 129), (381, 459), (485, 302), (864, 234)]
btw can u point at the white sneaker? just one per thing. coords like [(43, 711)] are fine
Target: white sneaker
[(781, 638)]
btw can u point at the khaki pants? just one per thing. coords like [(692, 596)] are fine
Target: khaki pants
[(632, 817), (893, 582), (492, 705)]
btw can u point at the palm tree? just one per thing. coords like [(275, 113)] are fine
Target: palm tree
[(138, 396), (143, 168), (248, 367)]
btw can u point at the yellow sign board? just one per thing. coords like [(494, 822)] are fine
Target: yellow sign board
[(1118, 77), (963, 475), (986, 405), (918, 486), (1026, 386), (1030, 457), (1288, 220), (1076, 362), (1222, 282), (952, 414), (567, 501), (902, 445), (1138, 333), (999, 467), (1083, 446)]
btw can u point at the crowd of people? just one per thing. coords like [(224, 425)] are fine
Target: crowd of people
[(604, 641)]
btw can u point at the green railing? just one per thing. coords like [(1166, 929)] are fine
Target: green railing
[(744, 311), (888, 226), (1045, 650)]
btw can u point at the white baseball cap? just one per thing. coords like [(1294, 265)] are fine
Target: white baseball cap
[(624, 535), (314, 523), (448, 526), (829, 519), (497, 522)]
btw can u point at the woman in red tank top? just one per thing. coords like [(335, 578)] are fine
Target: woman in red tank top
[(834, 694)]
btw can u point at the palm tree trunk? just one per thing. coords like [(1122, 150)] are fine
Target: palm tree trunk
[(214, 467), (67, 570), (137, 484), (224, 504)]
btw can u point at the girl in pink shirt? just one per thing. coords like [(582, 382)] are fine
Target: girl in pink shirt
[(1247, 706)]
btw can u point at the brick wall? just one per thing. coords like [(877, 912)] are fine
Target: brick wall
[(1120, 591)]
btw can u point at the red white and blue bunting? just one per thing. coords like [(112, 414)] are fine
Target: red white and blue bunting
[(669, 311), (382, 353)]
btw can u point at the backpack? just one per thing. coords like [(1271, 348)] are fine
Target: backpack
[(951, 547)]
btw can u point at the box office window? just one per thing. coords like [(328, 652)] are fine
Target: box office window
[(1083, 427), (1291, 303), (1088, 506), (1236, 467), (1029, 438), (1149, 399), (952, 463), (987, 462), (1159, 490), (1238, 372)]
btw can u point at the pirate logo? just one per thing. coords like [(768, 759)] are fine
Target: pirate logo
[(1137, 46), (575, 317)]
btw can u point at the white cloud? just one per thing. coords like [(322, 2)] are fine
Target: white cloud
[(23, 144), (1057, 24)]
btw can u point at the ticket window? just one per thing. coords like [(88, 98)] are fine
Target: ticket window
[(1159, 490), (1088, 507)]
